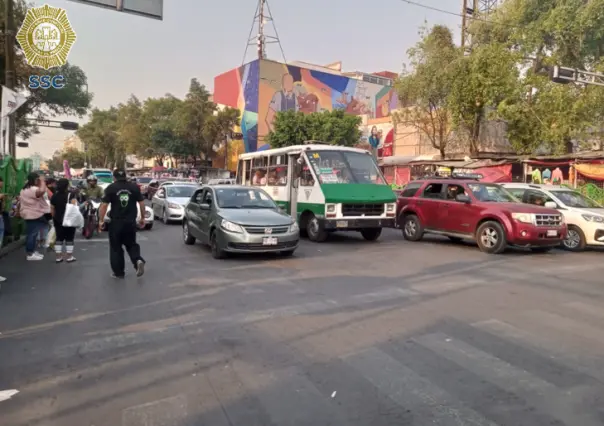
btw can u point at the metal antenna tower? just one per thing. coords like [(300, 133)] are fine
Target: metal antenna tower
[(262, 17), (474, 9)]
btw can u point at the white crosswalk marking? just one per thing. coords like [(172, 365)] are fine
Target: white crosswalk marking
[(542, 343), (539, 393), (411, 391)]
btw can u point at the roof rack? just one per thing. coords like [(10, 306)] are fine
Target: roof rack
[(458, 176)]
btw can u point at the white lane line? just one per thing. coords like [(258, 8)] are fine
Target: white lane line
[(8, 394)]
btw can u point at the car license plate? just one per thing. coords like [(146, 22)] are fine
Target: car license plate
[(269, 241), (342, 224), (552, 233)]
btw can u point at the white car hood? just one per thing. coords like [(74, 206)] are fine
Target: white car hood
[(599, 212)]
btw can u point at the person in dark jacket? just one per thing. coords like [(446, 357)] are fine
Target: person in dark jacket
[(126, 199)]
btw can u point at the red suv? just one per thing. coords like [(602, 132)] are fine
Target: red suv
[(482, 212)]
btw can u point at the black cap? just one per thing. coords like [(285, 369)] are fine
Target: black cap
[(119, 174)]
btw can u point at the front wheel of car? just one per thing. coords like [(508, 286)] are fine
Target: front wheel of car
[(217, 252), (575, 239), (412, 228), (186, 234), (164, 217), (490, 237), (371, 234)]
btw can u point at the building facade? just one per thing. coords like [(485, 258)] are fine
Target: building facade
[(262, 88)]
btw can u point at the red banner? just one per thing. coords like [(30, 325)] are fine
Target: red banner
[(495, 174)]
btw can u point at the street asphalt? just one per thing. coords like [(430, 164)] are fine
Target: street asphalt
[(347, 332)]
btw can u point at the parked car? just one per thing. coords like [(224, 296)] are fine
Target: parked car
[(584, 217), (238, 219), (169, 202), (483, 212)]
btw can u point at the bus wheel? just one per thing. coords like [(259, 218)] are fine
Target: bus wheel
[(371, 234), (315, 231)]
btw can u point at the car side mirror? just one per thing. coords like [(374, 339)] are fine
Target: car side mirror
[(204, 206), (463, 198), (551, 205)]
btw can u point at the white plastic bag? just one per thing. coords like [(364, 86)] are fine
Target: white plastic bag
[(51, 238), (73, 218)]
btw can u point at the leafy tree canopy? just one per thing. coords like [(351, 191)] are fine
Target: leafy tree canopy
[(333, 127)]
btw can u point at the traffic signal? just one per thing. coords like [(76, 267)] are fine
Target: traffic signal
[(69, 125), (562, 75)]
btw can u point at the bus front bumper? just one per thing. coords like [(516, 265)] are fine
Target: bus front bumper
[(357, 224)]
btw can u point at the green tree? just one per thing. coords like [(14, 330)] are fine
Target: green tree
[(333, 127), (425, 90), (220, 125), (101, 137), (132, 132), (73, 99), (160, 119), (481, 81), (193, 120), (75, 158), (543, 33)]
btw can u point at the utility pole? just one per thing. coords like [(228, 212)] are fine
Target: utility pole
[(262, 16), (261, 40), (9, 69), (471, 10)]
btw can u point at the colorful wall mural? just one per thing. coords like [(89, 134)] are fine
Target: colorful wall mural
[(262, 88)]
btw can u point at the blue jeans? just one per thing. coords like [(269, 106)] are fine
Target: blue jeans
[(32, 231)]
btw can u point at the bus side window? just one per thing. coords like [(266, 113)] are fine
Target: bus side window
[(277, 172), (259, 171)]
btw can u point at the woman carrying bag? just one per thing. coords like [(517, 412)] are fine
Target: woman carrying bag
[(67, 218), (33, 209)]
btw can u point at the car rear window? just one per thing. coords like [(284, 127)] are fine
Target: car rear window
[(411, 189)]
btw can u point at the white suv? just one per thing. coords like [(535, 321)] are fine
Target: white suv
[(584, 217)]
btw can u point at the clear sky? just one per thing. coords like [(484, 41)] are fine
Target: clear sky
[(125, 54)]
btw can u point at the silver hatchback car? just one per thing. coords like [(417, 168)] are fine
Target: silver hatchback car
[(238, 219)]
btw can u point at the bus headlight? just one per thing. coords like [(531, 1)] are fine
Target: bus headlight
[(330, 210)]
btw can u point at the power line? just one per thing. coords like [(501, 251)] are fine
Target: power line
[(448, 12)]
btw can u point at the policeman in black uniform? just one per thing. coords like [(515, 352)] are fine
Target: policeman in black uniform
[(123, 197)]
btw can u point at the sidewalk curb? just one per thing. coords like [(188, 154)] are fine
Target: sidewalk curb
[(10, 247)]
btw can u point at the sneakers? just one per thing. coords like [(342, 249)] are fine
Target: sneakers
[(140, 268), (118, 277), (35, 256), (2, 279)]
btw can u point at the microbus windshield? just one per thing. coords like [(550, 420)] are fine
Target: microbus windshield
[(341, 166)]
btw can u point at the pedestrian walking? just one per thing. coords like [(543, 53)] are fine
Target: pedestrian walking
[(125, 199), (33, 208), (65, 234)]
